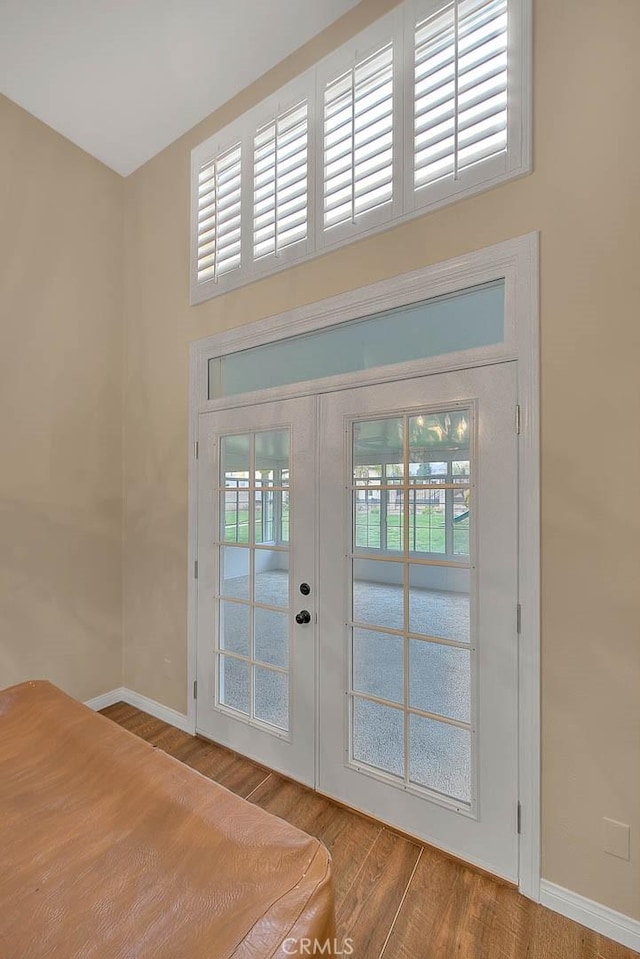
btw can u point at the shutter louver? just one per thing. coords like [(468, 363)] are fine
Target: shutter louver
[(219, 225), (280, 185), (358, 139), (460, 88)]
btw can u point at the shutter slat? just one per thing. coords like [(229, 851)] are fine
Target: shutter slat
[(428, 120), (483, 150), (435, 135), (435, 153), (338, 198), (487, 109), (475, 16), (372, 199)]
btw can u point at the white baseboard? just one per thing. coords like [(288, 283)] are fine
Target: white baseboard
[(106, 699), (614, 925), (129, 696)]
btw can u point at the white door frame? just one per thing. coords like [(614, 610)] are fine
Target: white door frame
[(515, 261)]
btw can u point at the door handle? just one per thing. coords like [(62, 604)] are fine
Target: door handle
[(303, 617)]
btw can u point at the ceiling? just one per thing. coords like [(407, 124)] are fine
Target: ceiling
[(123, 78)]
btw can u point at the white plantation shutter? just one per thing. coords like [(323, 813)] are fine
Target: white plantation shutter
[(358, 139), (280, 182), (219, 222), (460, 88), (429, 104)]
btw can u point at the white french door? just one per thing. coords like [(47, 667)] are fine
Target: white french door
[(256, 549), (417, 608), (405, 690)]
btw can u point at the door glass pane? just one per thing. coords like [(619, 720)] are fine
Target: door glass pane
[(272, 577), (378, 736), (377, 444), (234, 572), (234, 628), (378, 664), (234, 457), (272, 457), (234, 513), (440, 757), (378, 593), (378, 518), (427, 521), (439, 602), (234, 683), (431, 435), (271, 637), (271, 697), (284, 521), (440, 679)]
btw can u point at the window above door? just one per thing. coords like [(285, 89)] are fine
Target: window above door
[(428, 105)]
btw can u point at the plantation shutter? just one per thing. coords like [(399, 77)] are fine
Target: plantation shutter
[(460, 88), (218, 231), (280, 183), (358, 139)]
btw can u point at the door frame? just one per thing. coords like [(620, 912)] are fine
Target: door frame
[(517, 262)]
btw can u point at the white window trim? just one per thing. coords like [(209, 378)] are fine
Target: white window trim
[(515, 261), (398, 26)]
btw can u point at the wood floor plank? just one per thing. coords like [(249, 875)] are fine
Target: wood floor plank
[(234, 772), (347, 836), (241, 776), (394, 898), (377, 891)]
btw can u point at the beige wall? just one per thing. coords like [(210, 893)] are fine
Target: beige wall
[(61, 306), (60, 411)]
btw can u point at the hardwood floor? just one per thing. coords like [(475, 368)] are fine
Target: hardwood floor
[(395, 898)]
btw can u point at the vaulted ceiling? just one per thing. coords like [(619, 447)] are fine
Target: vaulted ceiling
[(124, 78)]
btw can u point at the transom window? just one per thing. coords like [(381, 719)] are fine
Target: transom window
[(428, 105)]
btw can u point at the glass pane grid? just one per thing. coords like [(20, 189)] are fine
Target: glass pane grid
[(411, 652), (252, 646)]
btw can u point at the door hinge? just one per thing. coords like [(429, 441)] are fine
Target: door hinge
[(195, 569), (518, 619), (518, 419), (195, 689), (519, 817), (196, 449)]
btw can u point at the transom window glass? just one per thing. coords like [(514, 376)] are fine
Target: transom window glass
[(446, 324)]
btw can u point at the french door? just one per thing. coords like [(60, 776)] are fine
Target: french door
[(357, 600), (256, 549), (418, 601)]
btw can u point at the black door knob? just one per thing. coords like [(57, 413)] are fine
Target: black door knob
[(305, 589), (303, 617)]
